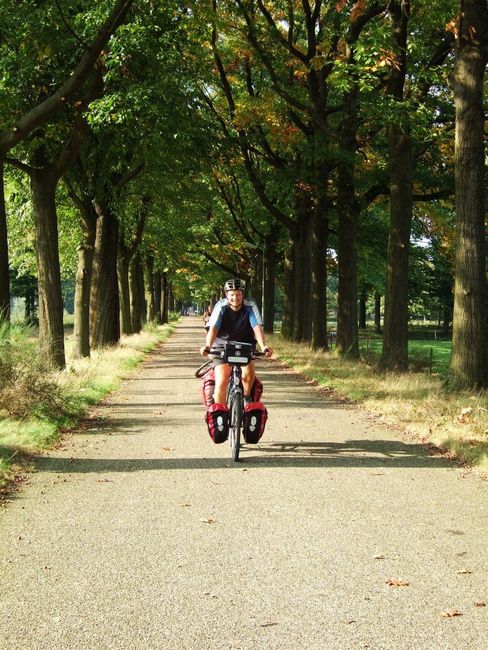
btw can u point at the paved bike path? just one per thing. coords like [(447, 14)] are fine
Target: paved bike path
[(140, 533)]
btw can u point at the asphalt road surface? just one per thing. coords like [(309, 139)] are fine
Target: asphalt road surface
[(333, 532)]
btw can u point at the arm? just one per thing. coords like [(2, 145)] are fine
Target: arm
[(209, 340), (259, 334)]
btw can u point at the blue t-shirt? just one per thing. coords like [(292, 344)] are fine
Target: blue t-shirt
[(235, 325)]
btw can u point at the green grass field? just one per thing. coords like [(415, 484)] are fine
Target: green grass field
[(420, 353)]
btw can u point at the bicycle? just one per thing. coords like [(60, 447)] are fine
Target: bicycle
[(236, 354)]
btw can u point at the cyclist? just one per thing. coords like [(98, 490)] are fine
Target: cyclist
[(234, 319)]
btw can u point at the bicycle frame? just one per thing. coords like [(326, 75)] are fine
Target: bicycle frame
[(235, 404), (235, 394)]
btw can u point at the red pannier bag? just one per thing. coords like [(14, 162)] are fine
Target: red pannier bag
[(217, 419), (256, 390), (208, 388), (255, 416)]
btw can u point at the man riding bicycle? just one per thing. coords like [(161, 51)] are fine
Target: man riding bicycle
[(234, 319)]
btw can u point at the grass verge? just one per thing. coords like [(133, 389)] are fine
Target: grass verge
[(84, 383), (415, 401)]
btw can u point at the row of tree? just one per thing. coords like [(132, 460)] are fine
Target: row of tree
[(279, 141)]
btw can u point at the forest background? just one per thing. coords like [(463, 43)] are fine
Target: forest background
[(330, 153)]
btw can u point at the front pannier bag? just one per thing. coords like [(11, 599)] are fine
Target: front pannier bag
[(255, 416), (217, 419), (208, 387)]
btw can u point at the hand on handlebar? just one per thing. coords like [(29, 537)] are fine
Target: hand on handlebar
[(267, 351), (204, 350)]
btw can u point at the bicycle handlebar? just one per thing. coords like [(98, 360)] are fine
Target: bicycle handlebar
[(216, 352)]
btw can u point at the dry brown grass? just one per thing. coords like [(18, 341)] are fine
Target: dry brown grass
[(417, 402)]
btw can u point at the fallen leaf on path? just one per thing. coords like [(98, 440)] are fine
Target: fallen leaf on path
[(209, 520), (268, 624), (463, 572), (166, 448), (185, 505), (104, 480), (450, 613), (377, 473), (397, 583), (379, 557), (480, 604)]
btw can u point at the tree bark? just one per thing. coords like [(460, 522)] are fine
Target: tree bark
[(269, 264), (124, 294), (135, 303), (289, 294), (318, 250), (4, 261), (149, 283), (362, 312), (157, 296), (348, 213), (51, 331), (395, 338), (104, 297), (468, 366), (164, 299), (377, 313), (81, 337)]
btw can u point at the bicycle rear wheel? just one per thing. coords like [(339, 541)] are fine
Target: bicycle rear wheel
[(236, 408)]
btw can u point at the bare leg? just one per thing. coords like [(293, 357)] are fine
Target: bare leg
[(248, 375), (222, 374)]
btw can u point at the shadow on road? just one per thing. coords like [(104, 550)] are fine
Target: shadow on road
[(386, 454)]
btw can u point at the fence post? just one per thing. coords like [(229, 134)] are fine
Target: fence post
[(431, 356)]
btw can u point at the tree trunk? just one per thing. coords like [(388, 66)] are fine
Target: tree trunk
[(150, 298), (301, 277), (319, 279), (377, 313), (30, 305), (256, 283), (446, 320), (135, 294), (347, 310), (171, 298), (81, 337), (289, 294), (4, 262), (395, 339), (51, 330), (164, 299), (269, 283), (157, 296), (124, 294), (362, 312), (348, 213), (468, 366), (319, 233), (104, 296)]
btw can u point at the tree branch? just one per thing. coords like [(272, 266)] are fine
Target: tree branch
[(46, 109), (28, 169), (68, 26)]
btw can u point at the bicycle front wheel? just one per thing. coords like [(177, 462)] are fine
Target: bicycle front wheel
[(236, 408)]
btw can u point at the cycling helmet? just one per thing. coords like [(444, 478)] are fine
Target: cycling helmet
[(235, 284)]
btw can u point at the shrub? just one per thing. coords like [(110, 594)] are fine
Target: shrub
[(27, 385)]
